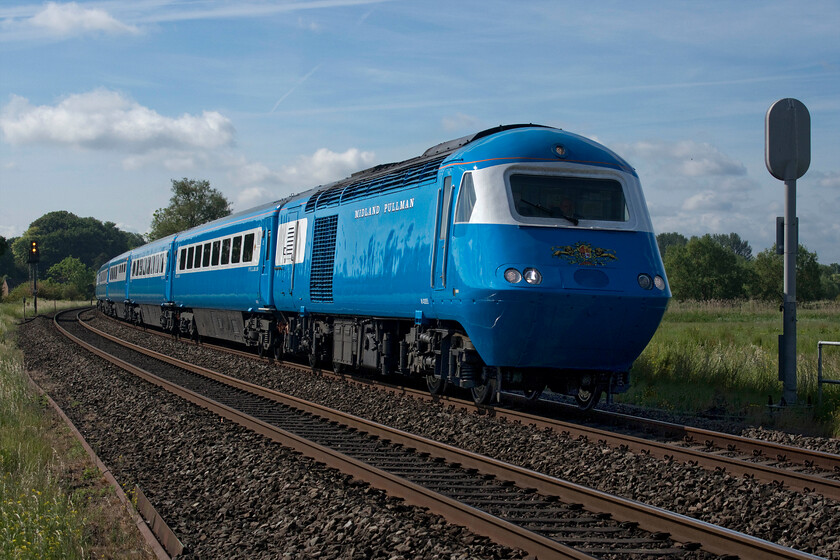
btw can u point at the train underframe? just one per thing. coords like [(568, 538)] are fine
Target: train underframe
[(438, 351)]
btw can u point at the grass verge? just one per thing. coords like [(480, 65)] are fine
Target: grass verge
[(53, 502), (721, 358)]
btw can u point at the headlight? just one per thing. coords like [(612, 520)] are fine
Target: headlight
[(532, 276), (513, 276), (645, 281), (659, 282)]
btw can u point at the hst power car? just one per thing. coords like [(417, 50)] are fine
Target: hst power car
[(518, 257)]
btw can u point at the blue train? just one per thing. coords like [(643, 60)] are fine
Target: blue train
[(518, 257)]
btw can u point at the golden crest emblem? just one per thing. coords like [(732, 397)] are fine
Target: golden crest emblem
[(584, 254)]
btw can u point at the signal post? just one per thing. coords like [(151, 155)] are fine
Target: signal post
[(788, 156), (33, 259)]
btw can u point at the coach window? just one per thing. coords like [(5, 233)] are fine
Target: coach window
[(206, 259), (236, 251), (217, 245), (183, 264), (248, 248), (190, 255), (197, 263), (226, 251)]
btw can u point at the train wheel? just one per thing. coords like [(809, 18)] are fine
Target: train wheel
[(437, 385), (484, 394), (533, 394), (589, 393)]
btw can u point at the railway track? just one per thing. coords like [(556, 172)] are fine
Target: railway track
[(798, 469), (514, 506)]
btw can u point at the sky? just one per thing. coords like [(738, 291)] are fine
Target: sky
[(103, 104)]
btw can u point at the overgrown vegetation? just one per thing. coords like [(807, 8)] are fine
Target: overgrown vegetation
[(721, 357), (37, 518), (44, 511)]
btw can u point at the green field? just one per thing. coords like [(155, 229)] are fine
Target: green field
[(721, 358)]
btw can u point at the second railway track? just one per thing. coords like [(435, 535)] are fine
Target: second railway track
[(538, 509), (802, 470)]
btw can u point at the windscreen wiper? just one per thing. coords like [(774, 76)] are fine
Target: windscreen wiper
[(556, 213)]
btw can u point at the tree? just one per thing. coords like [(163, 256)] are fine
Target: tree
[(672, 239), (8, 266), (768, 280), (2, 245), (62, 234), (702, 269), (830, 280), (734, 242), (73, 272), (192, 204)]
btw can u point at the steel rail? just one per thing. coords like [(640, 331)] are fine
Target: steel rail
[(792, 479), (745, 445), (684, 529), (476, 520)]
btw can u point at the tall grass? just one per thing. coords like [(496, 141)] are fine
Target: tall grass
[(721, 357), (37, 518)]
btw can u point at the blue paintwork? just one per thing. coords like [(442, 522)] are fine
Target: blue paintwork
[(117, 290), (231, 288), (560, 321), (584, 315), (152, 289), (101, 290)]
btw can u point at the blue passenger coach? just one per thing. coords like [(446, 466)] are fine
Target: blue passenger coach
[(111, 286), (149, 280), (517, 257), (221, 270)]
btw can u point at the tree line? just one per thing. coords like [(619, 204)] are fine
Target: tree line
[(722, 266), (72, 248)]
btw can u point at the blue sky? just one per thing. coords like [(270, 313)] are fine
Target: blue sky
[(102, 104)]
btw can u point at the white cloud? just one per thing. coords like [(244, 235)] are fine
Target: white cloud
[(308, 25), (325, 166), (825, 180), (258, 183), (105, 120), (685, 158), (460, 121), (253, 196), (71, 19)]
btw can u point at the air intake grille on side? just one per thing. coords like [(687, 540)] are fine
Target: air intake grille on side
[(323, 259), (415, 175), (412, 176)]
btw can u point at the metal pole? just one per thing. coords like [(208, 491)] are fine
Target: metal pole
[(35, 289), (789, 326), (819, 374)]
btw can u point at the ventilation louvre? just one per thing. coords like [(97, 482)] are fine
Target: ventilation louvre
[(323, 259), (412, 176)]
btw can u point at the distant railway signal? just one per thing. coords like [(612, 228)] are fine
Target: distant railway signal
[(34, 256)]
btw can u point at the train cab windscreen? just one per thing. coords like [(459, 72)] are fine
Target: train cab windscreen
[(542, 198)]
